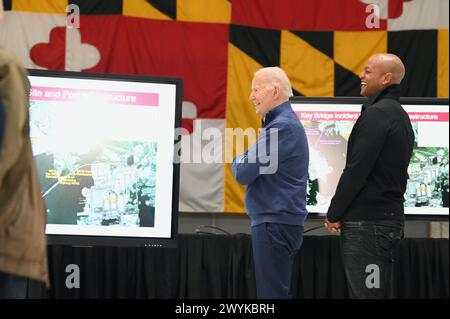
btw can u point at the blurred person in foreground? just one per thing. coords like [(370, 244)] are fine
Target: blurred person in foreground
[(23, 249)]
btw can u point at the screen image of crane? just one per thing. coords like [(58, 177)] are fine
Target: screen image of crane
[(328, 127), (104, 150)]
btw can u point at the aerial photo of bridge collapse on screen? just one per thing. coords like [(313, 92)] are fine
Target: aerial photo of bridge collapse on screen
[(327, 147), (428, 171), (428, 183), (87, 181)]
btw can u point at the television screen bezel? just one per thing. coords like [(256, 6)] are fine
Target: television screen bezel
[(361, 101), (158, 242)]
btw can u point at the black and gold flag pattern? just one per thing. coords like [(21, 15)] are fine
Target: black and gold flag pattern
[(322, 45)]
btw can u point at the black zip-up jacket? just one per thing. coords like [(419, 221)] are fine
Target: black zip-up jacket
[(373, 182)]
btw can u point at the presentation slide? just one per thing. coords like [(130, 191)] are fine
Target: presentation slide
[(104, 153), (328, 127)]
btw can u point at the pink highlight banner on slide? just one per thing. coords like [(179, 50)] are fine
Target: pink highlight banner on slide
[(327, 116), (353, 116), (428, 116), (41, 93)]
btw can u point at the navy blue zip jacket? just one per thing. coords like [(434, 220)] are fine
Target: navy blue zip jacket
[(277, 176)]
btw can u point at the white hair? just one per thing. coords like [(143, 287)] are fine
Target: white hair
[(277, 76)]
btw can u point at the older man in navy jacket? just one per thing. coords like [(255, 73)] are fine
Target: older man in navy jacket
[(275, 171)]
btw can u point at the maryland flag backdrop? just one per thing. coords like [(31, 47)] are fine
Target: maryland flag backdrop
[(215, 46)]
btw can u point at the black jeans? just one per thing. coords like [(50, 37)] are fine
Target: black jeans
[(368, 251), (12, 286)]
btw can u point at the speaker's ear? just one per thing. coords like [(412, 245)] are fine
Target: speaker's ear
[(387, 78), (276, 91)]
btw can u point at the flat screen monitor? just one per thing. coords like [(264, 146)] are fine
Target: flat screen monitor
[(104, 148), (328, 123)]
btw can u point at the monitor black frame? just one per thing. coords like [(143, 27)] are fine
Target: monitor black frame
[(156, 242), (360, 101)]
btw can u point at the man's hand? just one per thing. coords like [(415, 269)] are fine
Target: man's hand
[(332, 227)]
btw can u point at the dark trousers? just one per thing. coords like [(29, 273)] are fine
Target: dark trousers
[(274, 249), (12, 286), (368, 251)]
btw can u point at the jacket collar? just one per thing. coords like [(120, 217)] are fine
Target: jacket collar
[(272, 114), (390, 92)]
